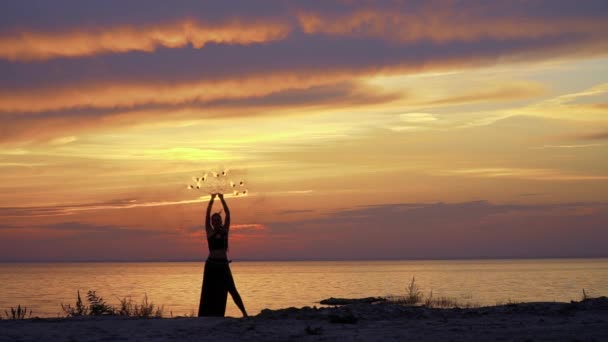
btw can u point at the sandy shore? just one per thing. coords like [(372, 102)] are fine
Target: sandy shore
[(580, 321)]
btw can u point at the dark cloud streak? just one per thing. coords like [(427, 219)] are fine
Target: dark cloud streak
[(455, 230), (304, 54), (63, 14), (397, 231), (31, 126)]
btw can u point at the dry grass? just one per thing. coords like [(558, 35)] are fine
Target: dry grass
[(144, 310), (98, 307), (586, 296), (508, 302), (414, 296), (445, 302), (79, 309), (18, 313)]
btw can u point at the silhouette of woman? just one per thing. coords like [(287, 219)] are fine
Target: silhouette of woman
[(217, 278)]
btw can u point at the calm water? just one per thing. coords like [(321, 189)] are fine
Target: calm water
[(42, 287)]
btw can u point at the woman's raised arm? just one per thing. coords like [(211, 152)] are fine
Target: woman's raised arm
[(227, 211), (208, 227)]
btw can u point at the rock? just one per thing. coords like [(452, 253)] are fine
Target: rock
[(346, 301)]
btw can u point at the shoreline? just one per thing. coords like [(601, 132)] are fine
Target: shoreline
[(378, 321)]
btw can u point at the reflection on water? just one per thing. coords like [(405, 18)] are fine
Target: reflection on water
[(177, 285)]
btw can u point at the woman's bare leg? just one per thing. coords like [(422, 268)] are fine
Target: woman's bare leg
[(236, 297), (237, 300)]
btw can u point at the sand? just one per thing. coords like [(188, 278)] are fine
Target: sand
[(578, 321)]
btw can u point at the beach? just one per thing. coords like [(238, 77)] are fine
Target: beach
[(586, 320)]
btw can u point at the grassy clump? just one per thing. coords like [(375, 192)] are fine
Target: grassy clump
[(144, 310), (18, 313), (508, 302), (414, 296), (444, 302), (98, 307), (79, 309)]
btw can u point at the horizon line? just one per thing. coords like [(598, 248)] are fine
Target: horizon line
[(306, 260)]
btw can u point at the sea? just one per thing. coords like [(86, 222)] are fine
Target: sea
[(43, 287)]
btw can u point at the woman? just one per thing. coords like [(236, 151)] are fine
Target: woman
[(217, 279)]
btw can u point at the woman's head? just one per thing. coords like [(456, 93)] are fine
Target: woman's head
[(216, 220)]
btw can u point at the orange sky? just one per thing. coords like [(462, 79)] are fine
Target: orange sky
[(405, 129)]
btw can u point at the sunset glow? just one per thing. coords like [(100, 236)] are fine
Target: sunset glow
[(365, 130)]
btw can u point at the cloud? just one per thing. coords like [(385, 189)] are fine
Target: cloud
[(531, 194), (440, 24), (260, 99), (201, 61), (507, 92), (69, 209), (569, 146), (523, 173), (63, 140), (135, 94), (77, 241), (401, 230), (594, 136), (295, 211), (86, 33), (238, 228), (453, 230), (28, 46), (305, 55), (84, 228), (493, 31), (244, 227), (577, 105)]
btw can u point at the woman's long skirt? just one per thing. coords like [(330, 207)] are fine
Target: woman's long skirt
[(217, 279)]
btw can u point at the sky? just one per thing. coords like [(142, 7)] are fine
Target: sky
[(362, 129)]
